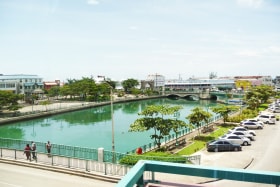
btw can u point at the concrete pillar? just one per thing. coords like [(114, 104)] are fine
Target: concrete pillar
[(100, 154)]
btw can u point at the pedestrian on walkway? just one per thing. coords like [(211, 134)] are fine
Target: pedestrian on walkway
[(33, 149), (48, 146), (27, 151)]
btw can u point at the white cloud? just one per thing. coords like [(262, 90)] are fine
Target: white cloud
[(250, 3), (93, 2)]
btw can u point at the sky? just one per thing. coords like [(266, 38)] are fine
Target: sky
[(121, 39)]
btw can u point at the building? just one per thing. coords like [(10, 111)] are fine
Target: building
[(153, 82), (196, 84), (49, 84), (245, 82), (21, 83)]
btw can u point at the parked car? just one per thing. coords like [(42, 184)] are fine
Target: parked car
[(274, 109), (244, 134), (267, 118), (252, 120), (236, 139), (222, 145), (251, 125), (243, 130)]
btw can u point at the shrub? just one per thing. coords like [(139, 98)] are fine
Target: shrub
[(162, 156)]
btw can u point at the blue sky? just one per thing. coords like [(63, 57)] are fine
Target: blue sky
[(120, 39)]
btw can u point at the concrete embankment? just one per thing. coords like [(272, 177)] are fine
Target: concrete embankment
[(38, 111)]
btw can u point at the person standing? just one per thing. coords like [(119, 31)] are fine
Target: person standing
[(27, 151), (33, 149), (48, 146)]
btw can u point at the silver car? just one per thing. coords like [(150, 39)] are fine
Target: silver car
[(244, 134), (243, 130), (253, 120), (251, 125), (236, 139)]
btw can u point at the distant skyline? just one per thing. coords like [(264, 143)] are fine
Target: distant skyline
[(121, 39)]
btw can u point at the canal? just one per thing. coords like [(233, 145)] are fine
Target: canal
[(92, 128)]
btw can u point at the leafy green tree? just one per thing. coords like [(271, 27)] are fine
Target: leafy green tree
[(54, 91), (129, 84), (224, 110), (198, 116), (80, 88), (9, 100), (258, 95), (156, 118), (66, 91)]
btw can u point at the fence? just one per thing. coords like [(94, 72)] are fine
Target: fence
[(68, 162), (63, 150)]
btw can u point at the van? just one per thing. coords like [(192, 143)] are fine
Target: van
[(267, 118)]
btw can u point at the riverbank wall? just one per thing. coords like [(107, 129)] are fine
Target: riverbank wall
[(40, 111)]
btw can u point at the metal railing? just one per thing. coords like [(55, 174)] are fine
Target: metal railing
[(63, 150), (136, 175), (105, 168)]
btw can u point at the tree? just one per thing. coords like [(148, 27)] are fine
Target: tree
[(9, 100), (80, 88), (129, 84), (224, 110), (54, 91), (156, 118), (198, 116), (258, 95)]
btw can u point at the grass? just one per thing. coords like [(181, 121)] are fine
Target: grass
[(200, 142)]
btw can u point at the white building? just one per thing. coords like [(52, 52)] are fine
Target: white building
[(21, 83), (158, 80)]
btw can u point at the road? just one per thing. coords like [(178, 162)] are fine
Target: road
[(19, 176)]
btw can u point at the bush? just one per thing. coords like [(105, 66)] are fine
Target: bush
[(162, 156), (263, 107), (246, 113)]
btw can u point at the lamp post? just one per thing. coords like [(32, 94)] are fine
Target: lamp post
[(112, 118)]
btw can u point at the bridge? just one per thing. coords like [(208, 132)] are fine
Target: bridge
[(204, 95)]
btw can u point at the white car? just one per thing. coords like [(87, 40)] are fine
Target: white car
[(243, 130), (244, 134), (251, 125), (267, 118), (274, 109), (236, 139), (253, 120)]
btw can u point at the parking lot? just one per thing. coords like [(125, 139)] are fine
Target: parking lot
[(263, 154)]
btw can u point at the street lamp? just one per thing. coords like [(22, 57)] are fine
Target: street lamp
[(112, 118)]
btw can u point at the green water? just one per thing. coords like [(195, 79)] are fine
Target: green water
[(93, 127)]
